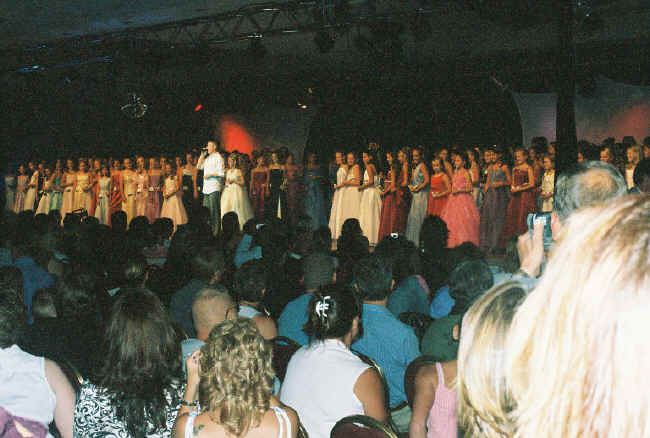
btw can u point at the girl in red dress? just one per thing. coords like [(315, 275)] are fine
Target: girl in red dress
[(440, 189), (460, 213), (116, 188), (395, 207), (522, 201)]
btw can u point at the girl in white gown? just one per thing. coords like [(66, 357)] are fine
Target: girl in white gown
[(350, 194), (83, 196), (335, 215), (370, 202), (172, 207), (44, 203), (234, 196), (32, 191), (103, 208), (69, 179)]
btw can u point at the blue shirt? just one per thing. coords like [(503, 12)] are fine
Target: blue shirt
[(244, 252), (293, 318), (442, 303), (180, 306), (390, 343), (34, 278), (408, 296)]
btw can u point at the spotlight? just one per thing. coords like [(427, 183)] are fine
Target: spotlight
[(198, 108), (323, 41)]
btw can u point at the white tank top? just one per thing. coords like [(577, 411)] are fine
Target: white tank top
[(319, 385), (280, 414), (25, 391)]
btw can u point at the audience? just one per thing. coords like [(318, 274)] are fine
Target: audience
[(139, 390), (577, 351), (231, 379), (249, 288), (325, 381), (386, 340)]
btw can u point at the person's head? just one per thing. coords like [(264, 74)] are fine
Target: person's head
[(373, 278), (547, 162), (128, 164), (212, 306), (21, 169), (367, 158), (471, 156), (312, 159), (436, 165), (633, 154), (606, 155), (208, 264), (57, 166), (236, 375), (404, 156), (44, 303), (338, 157), (30, 166), (334, 312), (169, 169), (642, 175), (275, 158), (351, 227), (483, 395), (250, 281), (532, 155), (443, 153), (318, 270), (189, 158), (232, 161), (434, 234), (12, 317), (83, 166), (260, 160), (118, 221), (321, 240), (178, 162), (117, 166), (551, 149), (416, 156), (582, 185), (211, 146), (390, 157), (140, 162), (459, 161), (76, 294), (520, 156), (351, 159), (142, 357), (593, 303), (135, 270), (467, 282), (290, 160)]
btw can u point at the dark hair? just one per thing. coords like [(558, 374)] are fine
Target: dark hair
[(402, 255), (467, 282), (118, 220), (135, 270), (206, 262), (12, 314), (142, 358), (76, 293), (434, 235), (322, 239), (331, 311), (641, 171), (373, 277), (43, 301), (250, 280), (162, 228)]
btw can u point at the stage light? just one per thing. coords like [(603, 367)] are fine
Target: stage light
[(198, 108)]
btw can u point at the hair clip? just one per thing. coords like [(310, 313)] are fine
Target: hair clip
[(394, 235), (323, 306)]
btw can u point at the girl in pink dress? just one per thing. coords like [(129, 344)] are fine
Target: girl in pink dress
[(440, 189), (154, 200), (172, 207), (460, 213)]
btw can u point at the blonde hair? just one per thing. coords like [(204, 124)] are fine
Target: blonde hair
[(636, 150), (578, 355), (484, 401), (236, 375)]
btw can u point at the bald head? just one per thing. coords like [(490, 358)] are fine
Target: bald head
[(211, 307)]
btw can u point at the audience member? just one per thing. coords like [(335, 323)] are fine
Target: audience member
[(249, 288), (386, 340), (642, 176), (577, 353), (233, 386), (325, 381), (139, 390), (318, 271), (43, 305)]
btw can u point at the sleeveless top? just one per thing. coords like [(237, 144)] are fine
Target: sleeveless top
[(280, 414), (497, 175), (442, 419), (248, 312), (25, 389)]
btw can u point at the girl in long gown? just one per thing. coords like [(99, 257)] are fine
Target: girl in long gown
[(234, 197), (10, 191), (154, 200), (350, 194), (522, 200), (56, 198), (129, 190), (188, 179), (420, 197), (103, 208), (69, 178), (117, 196), (172, 207), (370, 202), (21, 188), (294, 189), (44, 202), (389, 191), (547, 189), (32, 192), (443, 154), (336, 222), (495, 203), (460, 213), (259, 186), (277, 200), (82, 188), (141, 193), (314, 206), (439, 189), (475, 174)]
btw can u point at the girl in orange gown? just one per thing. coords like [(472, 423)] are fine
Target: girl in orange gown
[(395, 207), (440, 189), (522, 201)]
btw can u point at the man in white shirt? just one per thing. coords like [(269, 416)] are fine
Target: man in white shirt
[(214, 172)]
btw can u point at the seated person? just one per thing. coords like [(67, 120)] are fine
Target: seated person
[(386, 340), (325, 381), (140, 390), (233, 386), (318, 271), (249, 288), (466, 283), (33, 388), (207, 266), (43, 306)]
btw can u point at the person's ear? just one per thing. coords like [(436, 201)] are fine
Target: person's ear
[(455, 332), (556, 225)]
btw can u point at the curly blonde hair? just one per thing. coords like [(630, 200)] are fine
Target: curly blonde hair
[(236, 375)]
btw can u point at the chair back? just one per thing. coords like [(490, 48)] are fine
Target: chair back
[(361, 426), (283, 349), (411, 373)]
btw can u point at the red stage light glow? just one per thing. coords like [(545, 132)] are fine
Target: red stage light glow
[(198, 108), (235, 136)]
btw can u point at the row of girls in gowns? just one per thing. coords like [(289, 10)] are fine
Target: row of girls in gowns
[(410, 193)]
